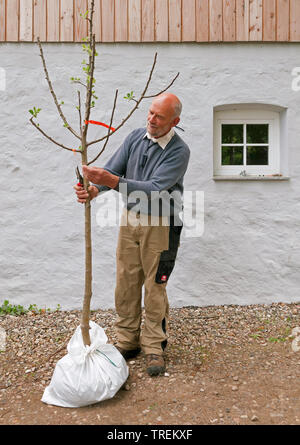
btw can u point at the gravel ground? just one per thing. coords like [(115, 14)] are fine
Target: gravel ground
[(225, 365)]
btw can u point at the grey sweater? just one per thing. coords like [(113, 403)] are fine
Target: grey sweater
[(149, 173)]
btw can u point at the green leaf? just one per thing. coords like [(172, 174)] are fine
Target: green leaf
[(35, 111), (129, 96)]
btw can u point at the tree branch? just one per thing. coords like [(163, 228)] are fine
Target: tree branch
[(170, 84), (142, 97), (108, 133), (134, 108), (53, 93), (80, 83), (51, 139)]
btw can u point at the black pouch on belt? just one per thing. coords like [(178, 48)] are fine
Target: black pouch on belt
[(168, 257)]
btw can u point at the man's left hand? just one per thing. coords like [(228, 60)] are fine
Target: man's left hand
[(100, 176)]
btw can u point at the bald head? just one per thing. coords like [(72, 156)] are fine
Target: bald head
[(164, 113), (171, 101)]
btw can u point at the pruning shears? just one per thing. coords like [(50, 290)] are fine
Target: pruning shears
[(79, 177)]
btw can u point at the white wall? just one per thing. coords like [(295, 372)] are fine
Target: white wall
[(250, 248)]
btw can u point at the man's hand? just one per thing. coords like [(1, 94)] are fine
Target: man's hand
[(100, 176), (83, 195)]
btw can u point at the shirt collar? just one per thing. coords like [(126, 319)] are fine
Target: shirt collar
[(163, 140)]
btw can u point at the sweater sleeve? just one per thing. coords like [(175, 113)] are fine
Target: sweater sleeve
[(164, 177)]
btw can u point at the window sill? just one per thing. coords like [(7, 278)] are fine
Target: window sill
[(250, 178)]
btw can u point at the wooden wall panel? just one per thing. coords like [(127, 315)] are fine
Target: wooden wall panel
[(134, 20), (242, 20), (229, 13), (80, 23), (162, 20), (152, 20), (40, 19), (108, 20), (25, 24), (255, 20), (53, 12), (148, 20), (97, 19), (2, 20), (294, 20), (283, 20), (216, 20), (269, 20), (174, 20), (66, 21), (121, 28), (12, 20), (188, 20), (202, 20)]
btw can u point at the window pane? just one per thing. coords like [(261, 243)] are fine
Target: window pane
[(257, 155), (232, 155), (257, 133), (232, 133)]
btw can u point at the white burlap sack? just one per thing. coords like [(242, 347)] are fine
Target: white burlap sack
[(87, 374)]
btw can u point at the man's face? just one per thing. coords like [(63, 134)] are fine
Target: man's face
[(161, 118)]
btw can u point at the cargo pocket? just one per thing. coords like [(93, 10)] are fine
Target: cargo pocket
[(168, 257)]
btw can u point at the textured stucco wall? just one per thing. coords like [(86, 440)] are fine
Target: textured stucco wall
[(250, 248)]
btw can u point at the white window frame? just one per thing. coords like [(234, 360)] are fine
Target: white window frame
[(248, 116)]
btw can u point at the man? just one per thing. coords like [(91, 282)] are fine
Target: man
[(150, 164)]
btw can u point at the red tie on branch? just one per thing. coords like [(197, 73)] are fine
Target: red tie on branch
[(96, 123), (99, 123)]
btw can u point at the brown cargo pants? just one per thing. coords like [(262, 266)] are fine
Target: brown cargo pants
[(138, 253)]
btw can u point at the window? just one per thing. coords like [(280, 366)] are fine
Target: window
[(246, 142)]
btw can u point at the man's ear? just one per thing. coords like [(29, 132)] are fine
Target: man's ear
[(176, 121)]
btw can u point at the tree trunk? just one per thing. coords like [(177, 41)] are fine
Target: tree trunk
[(85, 317)]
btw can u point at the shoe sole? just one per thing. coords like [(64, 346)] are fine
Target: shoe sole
[(155, 370)]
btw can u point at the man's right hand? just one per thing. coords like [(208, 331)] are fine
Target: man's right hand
[(83, 195)]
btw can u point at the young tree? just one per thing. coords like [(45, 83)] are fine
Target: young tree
[(89, 47)]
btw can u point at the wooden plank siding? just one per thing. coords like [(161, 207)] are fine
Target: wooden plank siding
[(66, 20), (26, 22), (39, 19), (2, 21), (161, 24), (152, 20), (134, 15), (175, 20), (53, 11)]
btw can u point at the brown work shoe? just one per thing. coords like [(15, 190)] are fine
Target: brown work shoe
[(128, 353), (155, 364)]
